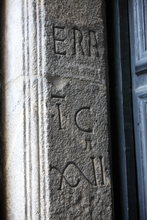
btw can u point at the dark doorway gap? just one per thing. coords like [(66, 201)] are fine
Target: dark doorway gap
[(125, 199)]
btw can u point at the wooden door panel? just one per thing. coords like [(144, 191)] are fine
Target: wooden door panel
[(138, 42)]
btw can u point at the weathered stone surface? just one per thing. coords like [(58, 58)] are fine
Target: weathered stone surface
[(56, 120), (78, 156)]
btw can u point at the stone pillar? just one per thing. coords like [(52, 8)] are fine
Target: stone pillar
[(56, 118)]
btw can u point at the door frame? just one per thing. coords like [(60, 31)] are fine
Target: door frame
[(121, 111)]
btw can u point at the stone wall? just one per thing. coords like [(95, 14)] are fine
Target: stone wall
[(56, 116)]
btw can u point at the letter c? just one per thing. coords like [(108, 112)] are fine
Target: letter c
[(89, 130)]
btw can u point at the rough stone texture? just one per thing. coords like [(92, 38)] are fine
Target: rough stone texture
[(56, 119)]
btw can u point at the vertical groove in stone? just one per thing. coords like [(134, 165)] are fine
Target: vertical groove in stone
[(33, 111), (38, 100), (24, 110)]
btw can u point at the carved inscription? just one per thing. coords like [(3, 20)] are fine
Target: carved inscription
[(102, 170), (76, 116), (78, 42), (92, 183), (88, 145), (93, 44), (58, 104), (82, 117), (88, 129), (58, 30)]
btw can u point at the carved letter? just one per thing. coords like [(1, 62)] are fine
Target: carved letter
[(93, 45), (58, 39), (78, 38), (88, 144), (78, 180), (102, 170), (89, 130), (59, 110)]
